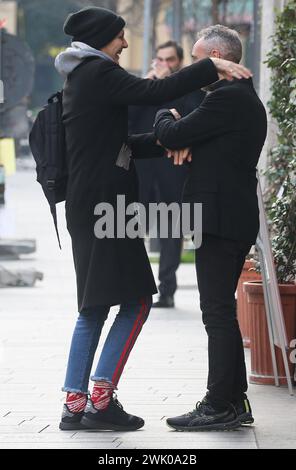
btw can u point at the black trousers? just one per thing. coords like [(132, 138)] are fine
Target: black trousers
[(219, 263), (170, 256)]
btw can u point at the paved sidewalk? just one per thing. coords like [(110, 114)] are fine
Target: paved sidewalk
[(166, 373)]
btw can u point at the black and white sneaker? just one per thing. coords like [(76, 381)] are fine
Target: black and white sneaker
[(206, 418), (112, 418), (71, 421)]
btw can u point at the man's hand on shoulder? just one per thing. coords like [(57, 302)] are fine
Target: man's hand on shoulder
[(229, 70)]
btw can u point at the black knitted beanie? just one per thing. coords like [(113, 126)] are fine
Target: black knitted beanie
[(94, 26)]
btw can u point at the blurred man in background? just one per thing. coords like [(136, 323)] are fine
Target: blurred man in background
[(162, 181)]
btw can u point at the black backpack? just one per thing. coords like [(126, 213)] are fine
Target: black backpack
[(47, 143)]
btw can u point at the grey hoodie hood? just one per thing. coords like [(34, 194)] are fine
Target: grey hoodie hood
[(68, 60)]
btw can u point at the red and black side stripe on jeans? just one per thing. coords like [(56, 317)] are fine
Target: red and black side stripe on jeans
[(137, 327)]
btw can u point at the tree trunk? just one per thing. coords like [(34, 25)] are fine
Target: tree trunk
[(155, 12), (110, 4), (224, 14), (215, 11), (113, 5)]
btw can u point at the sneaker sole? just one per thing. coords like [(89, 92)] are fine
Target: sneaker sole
[(89, 424), (246, 418), (71, 426), (211, 427), (163, 306)]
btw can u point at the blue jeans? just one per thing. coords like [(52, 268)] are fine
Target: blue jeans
[(118, 345)]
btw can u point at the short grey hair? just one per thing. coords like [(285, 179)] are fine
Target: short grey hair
[(226, 40)]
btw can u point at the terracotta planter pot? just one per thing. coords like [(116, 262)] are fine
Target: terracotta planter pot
[(261, 362), (242, 303)]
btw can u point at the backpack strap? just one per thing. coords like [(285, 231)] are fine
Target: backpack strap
[(53, 210)]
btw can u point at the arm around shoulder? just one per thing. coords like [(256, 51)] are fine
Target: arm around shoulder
[(123, 88)]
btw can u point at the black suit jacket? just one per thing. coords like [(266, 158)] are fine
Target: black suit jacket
[(226, 133)]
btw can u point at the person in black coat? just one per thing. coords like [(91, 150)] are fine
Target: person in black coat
[(161, 181), (109, 271), (226, 133)]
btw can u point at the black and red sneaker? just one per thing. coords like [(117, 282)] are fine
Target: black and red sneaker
[(71, 421), (112, 418)]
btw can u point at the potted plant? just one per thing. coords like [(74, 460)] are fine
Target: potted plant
[(249, 273), (280, 204)]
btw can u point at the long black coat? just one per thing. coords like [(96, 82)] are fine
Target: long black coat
[(96, 99), (227, 133)]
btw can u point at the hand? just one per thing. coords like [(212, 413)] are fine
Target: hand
[(175, 114), (230, 70), (160, 70), (151, 75), (180, 156)]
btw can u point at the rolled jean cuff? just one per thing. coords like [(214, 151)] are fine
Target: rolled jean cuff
[(105, 379), (75, 390)]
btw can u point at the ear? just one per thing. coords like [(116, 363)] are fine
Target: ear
[(215, 53)]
